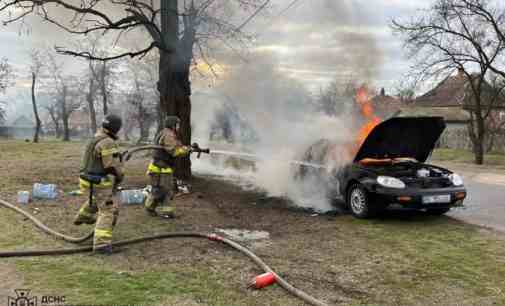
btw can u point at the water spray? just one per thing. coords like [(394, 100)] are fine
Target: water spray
[(256, 157)]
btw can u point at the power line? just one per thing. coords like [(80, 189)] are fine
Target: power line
[(253, 15), (287, 8), (282, 12)]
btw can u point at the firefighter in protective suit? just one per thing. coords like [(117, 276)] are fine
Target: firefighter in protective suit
[(160, 170), (100, 173)]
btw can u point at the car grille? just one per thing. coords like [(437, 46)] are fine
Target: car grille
[(426, 183)]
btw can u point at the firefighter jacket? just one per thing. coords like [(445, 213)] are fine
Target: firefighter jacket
[(163, 161), (101, 159)]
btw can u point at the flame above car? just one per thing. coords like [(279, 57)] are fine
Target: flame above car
[(364, 101)]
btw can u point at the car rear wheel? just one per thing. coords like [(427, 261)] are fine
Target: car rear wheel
[(358, 202), (437, 211)]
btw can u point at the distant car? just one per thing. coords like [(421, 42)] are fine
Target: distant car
[(389, 170)]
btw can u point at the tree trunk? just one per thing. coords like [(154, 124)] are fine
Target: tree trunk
[(479, 152), (35, 111), (65, 115), (56, 123), (105, 101), (57, 129), (183, 165), (91, 106), (173, 85), (160, 117), (477, 134), (175, 100)]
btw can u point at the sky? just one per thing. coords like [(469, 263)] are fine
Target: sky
[(315, 41)]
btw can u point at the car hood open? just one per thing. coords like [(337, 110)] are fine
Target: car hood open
[(402, 137)]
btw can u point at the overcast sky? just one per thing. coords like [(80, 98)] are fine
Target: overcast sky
[(315, 41)]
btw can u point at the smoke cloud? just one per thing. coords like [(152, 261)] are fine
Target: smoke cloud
[(271, 93), (281, 113)]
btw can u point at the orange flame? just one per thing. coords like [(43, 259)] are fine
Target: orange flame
[(365, 102)]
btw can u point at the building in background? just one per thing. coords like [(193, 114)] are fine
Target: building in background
[(450, 99), (20, 128)]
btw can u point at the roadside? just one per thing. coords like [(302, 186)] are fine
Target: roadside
[(484, 205), (467, 157), (486, 174), (399, 259), (461, 162)]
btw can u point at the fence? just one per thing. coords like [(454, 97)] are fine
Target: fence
[(459, 139)]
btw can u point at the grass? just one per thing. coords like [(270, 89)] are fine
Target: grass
[(85, 282), (454, 155), (426, 255), (399, 259)]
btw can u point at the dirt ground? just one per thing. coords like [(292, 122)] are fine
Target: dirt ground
[(399, 259)]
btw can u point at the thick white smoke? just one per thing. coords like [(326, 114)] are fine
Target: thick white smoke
[(269, 94), (282, 115)]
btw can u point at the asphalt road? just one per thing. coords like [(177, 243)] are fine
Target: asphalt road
[(485, 203)]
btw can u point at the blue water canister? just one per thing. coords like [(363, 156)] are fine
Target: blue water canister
[(44, 191), (23, 197), (132, 197)]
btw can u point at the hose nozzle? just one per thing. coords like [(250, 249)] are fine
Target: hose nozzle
[(196, 148)]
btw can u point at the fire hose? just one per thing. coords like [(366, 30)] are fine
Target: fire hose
[(44, 228), (212, 237), (126, 155)]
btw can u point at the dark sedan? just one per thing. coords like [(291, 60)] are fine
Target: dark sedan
[(390, 170)]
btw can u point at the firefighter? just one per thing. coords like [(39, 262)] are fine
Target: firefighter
[(160, 170), (100, 173)]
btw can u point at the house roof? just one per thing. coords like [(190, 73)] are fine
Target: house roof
[(385, 105), (449, 92), (454, 91)]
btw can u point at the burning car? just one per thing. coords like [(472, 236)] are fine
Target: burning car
[(389, 169)]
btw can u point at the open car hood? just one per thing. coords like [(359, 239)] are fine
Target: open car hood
[(413, 137)]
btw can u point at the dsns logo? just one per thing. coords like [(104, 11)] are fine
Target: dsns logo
[(23, 299)]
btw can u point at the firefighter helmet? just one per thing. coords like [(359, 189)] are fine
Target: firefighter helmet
[(112, 123)]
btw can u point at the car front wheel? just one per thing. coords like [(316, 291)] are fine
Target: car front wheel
[(358, 202)]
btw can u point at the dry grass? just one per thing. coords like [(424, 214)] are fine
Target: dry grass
[(401, 259)]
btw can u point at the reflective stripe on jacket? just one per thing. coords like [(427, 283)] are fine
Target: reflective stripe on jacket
[(158, 170)]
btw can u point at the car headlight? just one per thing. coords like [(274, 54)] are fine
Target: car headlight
[(456, 179), (390, 182)]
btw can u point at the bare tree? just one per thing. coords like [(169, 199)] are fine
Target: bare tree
[(5, 80), (104, 77), (337, 97), (55, 115), (101, 72), (460, 34), (66, 92), (177, 28), (92, 88), (35, 69), (142, 96)]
